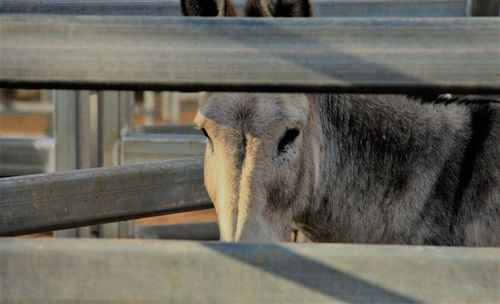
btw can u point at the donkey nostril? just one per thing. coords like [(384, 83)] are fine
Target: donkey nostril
[(287, 139)]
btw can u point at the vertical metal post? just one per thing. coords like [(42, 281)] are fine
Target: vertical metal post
[(73, 140), (94, 126), (170, 107), (46, 96), (149, 107), (115, 112)]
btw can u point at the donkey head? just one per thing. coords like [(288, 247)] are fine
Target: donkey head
[(262, 155)]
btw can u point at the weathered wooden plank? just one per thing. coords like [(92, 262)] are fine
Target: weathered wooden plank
[(321, 8), (43, 271), (457, 55), (46, 202)]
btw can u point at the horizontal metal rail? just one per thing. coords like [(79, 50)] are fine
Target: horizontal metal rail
[(133, 271), (15, 106), (46, 202), (186, 129), (321, 8), (92, 7), (153, 147), (456, 55), (25, 155), (162, 142), (201, 231)]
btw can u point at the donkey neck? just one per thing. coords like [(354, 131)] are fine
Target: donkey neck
[(365, 130), (380, 153)]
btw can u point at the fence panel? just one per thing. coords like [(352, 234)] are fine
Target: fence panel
[(455, 55)]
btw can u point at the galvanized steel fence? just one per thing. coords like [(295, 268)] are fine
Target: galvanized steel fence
[(96, 52)]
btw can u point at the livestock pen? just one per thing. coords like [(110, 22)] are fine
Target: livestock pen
[(112, 46)]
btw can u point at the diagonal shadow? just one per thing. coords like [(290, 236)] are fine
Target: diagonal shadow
[(275, 259), (349, 65), (279, 261)]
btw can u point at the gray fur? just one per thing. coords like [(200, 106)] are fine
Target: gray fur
[(392, 168), (364, 169)]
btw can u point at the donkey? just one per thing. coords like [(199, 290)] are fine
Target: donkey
[(349, 168)]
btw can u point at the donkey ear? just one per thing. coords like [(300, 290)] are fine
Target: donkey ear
[(290, 8), (205, 8)]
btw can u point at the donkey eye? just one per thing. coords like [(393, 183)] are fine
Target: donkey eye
[(287, 139), (205, 133)]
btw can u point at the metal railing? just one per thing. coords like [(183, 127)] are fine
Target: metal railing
[(96, 271), (315, 55), (46, 202), (321, 8), (458, 55), (24, 155), (443, 55)]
